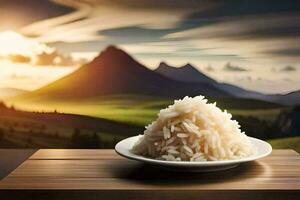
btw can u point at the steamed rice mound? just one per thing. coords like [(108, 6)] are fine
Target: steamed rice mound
[(193, 130)]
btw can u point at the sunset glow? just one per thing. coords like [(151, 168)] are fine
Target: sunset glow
[(18, 57), (260, 41), (15, 43)]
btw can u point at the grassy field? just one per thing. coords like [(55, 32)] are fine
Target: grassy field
[(139, 110), (126, 108), (286, 143), (256, 117), (264, 114), (20, 129)]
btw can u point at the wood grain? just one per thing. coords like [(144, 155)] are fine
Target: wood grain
[(94, 174)]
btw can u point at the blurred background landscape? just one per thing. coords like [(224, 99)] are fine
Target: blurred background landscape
[(88, 73)]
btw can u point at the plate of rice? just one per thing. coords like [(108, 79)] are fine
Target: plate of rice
[(193, 135)]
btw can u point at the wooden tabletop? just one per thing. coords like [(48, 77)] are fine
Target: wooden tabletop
[(10, 159), (102, 174)]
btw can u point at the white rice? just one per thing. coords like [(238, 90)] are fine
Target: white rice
[(193, 130)]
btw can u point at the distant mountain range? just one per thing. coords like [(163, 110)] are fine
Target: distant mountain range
[(291, 99), (116, 72), (189, 73), (186, 73)]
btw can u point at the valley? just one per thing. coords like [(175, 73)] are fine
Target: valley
[(114, 97)]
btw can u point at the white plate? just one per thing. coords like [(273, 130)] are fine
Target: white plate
[(123, 148)]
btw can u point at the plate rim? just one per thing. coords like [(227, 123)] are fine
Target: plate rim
[(140, 158)]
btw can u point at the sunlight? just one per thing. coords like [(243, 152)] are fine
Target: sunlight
[(28, 77), (15, 43), (28, 64)]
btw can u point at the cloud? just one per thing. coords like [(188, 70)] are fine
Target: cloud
[(18, 58), (285, 51), (209, 68), (46, 58), (229, 67), (103, 16), (245, 29), (288, 68), (80, 11), (249, 32), (248, 78), (17, 76), (54, 58), (17, 14), (287, 79), (134, 34), (18, 48)]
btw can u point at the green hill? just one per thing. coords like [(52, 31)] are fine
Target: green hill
[(138, 109), (286, 143)]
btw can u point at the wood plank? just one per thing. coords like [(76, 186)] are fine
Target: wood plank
[(111, 169), (266, 184), (103, 173), (108, 153), (84, 154)]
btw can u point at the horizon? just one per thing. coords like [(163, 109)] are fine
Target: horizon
[(253, 45), (58, 72)]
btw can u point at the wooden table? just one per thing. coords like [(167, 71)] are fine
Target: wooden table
[(102, 174)]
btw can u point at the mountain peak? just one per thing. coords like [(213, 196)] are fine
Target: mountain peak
[(112, 50), (113, 54), (186, 73), (188, 65), (163, 64), (163, 68)]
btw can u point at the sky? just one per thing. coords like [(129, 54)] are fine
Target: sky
[(254, 44)]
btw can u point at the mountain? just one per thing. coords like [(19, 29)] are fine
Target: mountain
[(188, 73), (116, 72), (10, 92), (290, 99)]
